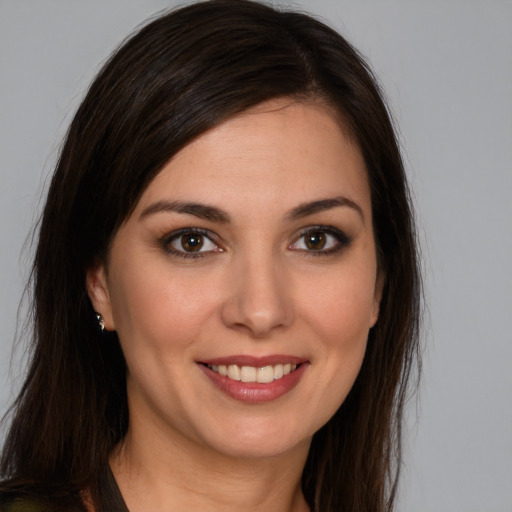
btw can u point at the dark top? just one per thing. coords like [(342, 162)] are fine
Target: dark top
[(110, 499)]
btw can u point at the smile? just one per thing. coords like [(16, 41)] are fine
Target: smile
[(262, 375), (255, 379)]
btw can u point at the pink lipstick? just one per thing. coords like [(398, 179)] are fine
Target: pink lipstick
[(255, 379)]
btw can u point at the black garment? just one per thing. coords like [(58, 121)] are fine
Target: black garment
[(110, 499)]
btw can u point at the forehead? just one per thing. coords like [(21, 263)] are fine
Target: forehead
[(281, 151)]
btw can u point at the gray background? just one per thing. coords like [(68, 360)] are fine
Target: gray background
[(446, 67)]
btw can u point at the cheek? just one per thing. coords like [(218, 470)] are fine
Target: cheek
[(341, 306), (344, 332), (159, 308), (339, 316)]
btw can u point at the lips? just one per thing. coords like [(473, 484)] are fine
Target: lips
[(255, 379)]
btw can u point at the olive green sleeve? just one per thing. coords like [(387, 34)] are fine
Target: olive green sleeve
[(23, 505), (27, 504)]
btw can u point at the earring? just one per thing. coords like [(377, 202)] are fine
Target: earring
[(101, 322)]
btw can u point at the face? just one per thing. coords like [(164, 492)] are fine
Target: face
[(244, 284)]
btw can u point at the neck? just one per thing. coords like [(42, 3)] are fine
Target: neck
[(160, 475)]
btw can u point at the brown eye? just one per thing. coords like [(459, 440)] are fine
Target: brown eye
[(192, 242), (321, 240), (315, 241)]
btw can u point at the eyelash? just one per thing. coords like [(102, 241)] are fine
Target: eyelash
[(341, 238), (167, 240)]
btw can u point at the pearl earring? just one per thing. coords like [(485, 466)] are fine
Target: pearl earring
[(101, 322)]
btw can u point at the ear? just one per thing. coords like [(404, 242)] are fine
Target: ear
[(377, 297), (97, 289)]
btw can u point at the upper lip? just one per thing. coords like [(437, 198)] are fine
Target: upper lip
[(255, 361)]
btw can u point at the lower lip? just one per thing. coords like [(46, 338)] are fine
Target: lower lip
[(255, 392)]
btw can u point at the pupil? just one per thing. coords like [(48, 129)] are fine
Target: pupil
[(192, 243), (315, 241)]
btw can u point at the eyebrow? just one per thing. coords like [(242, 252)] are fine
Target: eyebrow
[(214, 214), (199, 210), (310, 208)]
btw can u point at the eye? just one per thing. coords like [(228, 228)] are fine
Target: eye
[(190, 243), (321, 240)]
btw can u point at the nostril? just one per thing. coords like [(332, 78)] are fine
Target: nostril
[(257, 312)]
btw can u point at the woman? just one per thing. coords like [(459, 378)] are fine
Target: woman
[(226, 286)]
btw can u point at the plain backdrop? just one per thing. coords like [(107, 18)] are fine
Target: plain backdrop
[(446, 67)]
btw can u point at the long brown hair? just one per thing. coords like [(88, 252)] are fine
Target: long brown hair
[(177, 77)]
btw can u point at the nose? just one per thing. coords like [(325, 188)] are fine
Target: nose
[(259, 300)]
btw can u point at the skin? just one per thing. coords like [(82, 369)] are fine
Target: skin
[(255, 289)]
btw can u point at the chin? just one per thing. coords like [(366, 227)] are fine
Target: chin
[(261, 438)]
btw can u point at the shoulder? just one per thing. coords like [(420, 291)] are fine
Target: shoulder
[(21, 502), (15, 502)]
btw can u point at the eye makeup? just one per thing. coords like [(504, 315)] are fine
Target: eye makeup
[(190, 242), (321, 241), (193, 242)]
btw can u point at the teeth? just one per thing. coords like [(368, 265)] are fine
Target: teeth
[(278, 371), (248, 374), (265, 374), (233, 372), (262, 375)]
